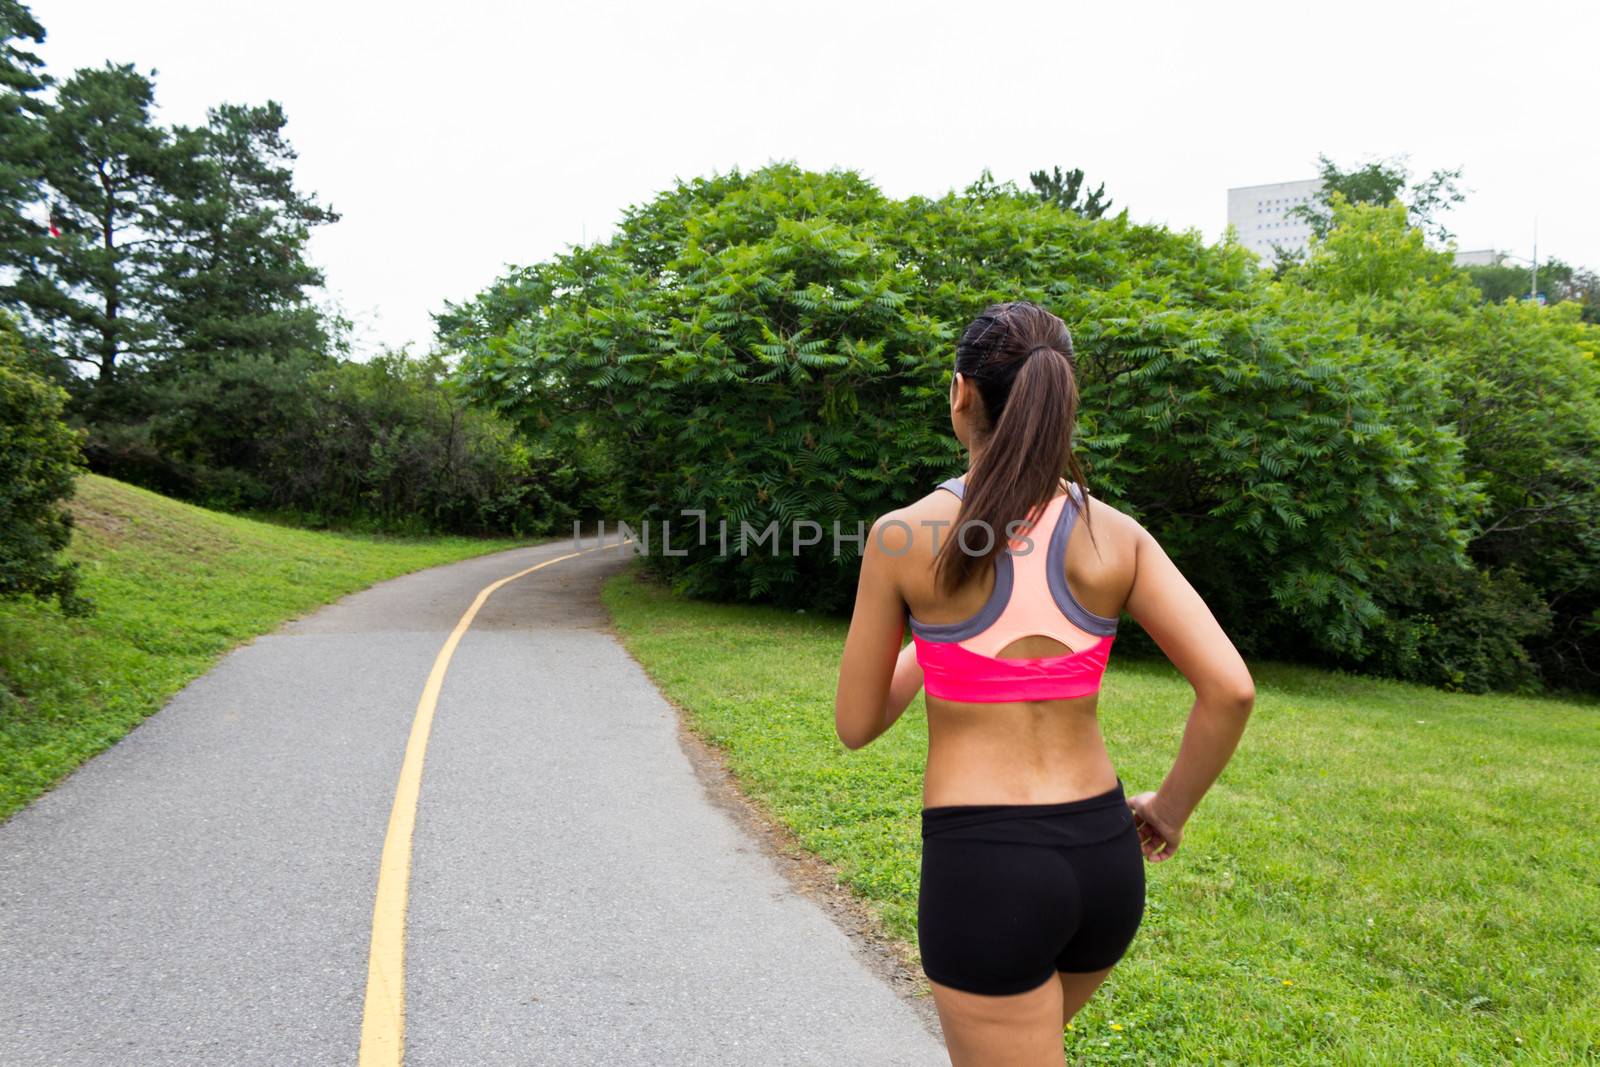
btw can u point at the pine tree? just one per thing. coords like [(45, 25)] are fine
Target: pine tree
[(1061, 189), (232, 273), (22, 133), (107, 170)]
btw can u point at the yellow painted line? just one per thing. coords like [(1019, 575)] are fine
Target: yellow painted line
[(383, 1017)]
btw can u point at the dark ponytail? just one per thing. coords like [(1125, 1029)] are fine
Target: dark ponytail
[(1020, 358)]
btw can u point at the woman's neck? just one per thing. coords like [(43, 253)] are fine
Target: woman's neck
[(975, 454)]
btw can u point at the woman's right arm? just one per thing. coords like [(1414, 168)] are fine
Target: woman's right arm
[(1167, 607)]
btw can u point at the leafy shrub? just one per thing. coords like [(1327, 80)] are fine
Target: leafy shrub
[(776, 347), (205, 428), (1527, 402), (39, 463), (1460, 628), (1523, 395), (389, 444), (395, 439)]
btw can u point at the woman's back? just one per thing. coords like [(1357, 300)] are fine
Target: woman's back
[(1012, 659), (1032, 883)]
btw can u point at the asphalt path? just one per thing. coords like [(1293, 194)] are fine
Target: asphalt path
[(203, 891)]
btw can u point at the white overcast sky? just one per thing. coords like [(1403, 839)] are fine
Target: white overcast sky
[(460, 137)]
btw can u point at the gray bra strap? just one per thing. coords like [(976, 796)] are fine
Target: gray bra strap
[(1081, 616), (1004, 576), (999, 596)]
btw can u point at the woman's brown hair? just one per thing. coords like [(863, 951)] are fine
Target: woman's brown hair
[(1020, 358)]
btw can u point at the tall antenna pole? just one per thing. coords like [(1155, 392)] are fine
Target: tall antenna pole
[(1533, 281)]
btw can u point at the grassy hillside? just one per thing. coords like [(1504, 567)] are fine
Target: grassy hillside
[(1385, 874), (176, 587)]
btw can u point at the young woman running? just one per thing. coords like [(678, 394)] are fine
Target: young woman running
[(1033, 884)]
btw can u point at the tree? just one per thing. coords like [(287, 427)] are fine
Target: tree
[(1558, 282), (231, 272), (1373, 251), (1527, 384), (1584, 288), (774, 349), (1522, 386), (1380, 182), (107, 170), (1499, 282), (21, 132), (1060, 189), (39, 463)]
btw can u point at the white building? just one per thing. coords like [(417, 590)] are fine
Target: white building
[(1260, 215)]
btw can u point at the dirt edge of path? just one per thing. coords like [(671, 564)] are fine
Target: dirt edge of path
[(809, 875)]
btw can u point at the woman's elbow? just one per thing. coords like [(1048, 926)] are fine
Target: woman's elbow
[(1233, 695), (1239, 697), (852, 741), (851, 734)]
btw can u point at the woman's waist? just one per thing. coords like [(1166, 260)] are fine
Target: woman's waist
[(1082, 820), (1016, 775), (995, 758)]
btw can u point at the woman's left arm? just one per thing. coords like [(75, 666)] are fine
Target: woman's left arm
[(877, 679)]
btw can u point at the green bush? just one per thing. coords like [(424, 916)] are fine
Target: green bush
[(387, 444), (206, 428), (39, 464), (1523, 395), (1461, 628), (777, 347), (395, 439), (1527, 402)]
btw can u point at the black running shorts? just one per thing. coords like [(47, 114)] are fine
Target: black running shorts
[(1013, 893)]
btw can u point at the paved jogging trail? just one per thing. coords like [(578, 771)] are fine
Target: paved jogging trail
[(204, 891)]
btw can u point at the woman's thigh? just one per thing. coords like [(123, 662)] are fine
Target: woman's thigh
[(1024, 1029), (1076, 989), (1020, 1030)]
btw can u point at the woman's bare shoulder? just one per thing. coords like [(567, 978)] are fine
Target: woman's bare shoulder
[(1102, 512), (913, 525), (938, 502), (1114, 532)]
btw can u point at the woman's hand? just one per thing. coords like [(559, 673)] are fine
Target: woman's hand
[(1159, 833)]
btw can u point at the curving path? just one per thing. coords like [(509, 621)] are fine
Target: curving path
[(203, 891)]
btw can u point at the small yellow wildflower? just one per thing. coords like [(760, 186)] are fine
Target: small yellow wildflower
[(1116, 1026), (1288, 981)]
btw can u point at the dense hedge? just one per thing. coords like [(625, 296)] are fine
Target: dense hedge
[(777, 346), (39, 463), (386, 444), (1524, 395)]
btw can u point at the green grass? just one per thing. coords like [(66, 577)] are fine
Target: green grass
[(176, 587), (1385, 874)]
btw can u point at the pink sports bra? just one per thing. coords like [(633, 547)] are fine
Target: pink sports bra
[(960, 659)]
